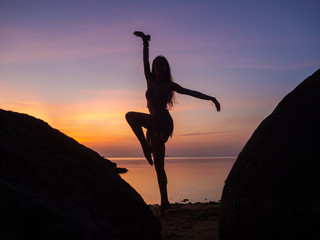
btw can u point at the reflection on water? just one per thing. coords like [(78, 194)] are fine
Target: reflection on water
[(198, 179)]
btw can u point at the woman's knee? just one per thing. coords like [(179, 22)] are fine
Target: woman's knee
[(129, 116)]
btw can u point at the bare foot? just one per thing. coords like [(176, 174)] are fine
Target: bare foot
[(164, 208), (147, 154)]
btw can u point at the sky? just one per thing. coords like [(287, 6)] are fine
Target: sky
[(76, 65)]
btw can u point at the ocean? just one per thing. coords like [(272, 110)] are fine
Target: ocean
[(190, 179)]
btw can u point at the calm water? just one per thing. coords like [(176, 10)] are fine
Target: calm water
[(198, 179)]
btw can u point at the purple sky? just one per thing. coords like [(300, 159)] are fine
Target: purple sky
[(77, 65)]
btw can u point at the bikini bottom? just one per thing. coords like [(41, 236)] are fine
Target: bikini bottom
[(164, 125)]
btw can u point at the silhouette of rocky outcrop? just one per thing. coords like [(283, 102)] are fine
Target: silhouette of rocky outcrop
[(52, 187), (272, 191)]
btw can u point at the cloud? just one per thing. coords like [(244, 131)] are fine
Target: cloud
[(198, 134)]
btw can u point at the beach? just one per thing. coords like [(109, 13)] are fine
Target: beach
[(194, 185), (189, 221)]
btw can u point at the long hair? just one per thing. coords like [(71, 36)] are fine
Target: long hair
[(167, 78)]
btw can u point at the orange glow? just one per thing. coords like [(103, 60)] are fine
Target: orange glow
[(99, 123)]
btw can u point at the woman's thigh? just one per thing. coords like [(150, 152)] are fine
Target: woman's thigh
[(158, 150), (142, 119)]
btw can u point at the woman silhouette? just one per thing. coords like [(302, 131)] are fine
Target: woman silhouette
[(159, 124)]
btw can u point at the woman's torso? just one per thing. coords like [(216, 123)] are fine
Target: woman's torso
[(157, 96)]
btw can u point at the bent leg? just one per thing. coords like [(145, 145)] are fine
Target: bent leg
[(137, 121), (158, 150)]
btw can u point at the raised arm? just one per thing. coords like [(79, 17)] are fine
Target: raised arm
[(177, 88), (146, 64)]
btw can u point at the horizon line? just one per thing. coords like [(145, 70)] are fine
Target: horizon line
[(171, 156)]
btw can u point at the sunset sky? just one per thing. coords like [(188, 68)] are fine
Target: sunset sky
[(76, 65)]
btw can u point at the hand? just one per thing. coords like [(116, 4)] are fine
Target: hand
[(142, 35), (215, 101)]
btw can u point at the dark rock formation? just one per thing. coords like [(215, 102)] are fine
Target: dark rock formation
[(52, 187), (272, 191)]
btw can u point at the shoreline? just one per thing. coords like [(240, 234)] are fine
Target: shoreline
[(189, 220), (142, 158)]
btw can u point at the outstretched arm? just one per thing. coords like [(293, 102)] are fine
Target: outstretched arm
[(146, 64), (177, 88)]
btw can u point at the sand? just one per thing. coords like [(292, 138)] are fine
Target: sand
[(189, 221)]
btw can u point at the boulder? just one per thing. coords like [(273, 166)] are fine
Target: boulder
[(272, 191), (52, 187)]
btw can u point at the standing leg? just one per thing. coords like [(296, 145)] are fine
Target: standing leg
[(158, 150), (137, 121)]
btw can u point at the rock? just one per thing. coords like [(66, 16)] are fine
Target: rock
[(121, 170), (272, 191), (52, 187)]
